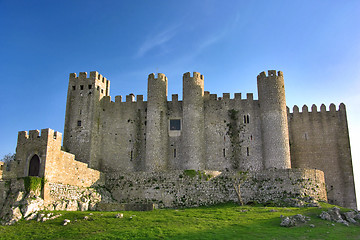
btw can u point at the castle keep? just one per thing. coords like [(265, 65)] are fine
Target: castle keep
[(200, 132), (142, 150)]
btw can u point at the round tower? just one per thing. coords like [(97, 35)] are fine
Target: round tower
[(193, 121), (157, 126), (274, 125)]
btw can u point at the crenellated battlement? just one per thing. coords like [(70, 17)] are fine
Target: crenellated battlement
[(129, 98), (160, 76), (271, 73), (94, 76), (35, 135), (314, 109), (227, 96), (195, 75)]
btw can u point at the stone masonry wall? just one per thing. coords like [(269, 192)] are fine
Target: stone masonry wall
[(321, 140), (231, 141), (190, 188)]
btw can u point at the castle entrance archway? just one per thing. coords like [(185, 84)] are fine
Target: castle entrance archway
[(34, 166)]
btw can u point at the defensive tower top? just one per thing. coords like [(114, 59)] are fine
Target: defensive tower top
[(94, 75), (160, 76), (271, 73)]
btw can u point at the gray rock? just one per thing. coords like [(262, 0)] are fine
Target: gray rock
[(294, 220), (343, 222), (286, 222), (60, 206), (31, 217), (66, 222), (92, 206), (357, 216), (19, 196), (32, 205), (335, 214), (349, 216), (72, 206), (325, 216), (83, 205), (40, 217), (55, 216), (13, 215), (312, 225)]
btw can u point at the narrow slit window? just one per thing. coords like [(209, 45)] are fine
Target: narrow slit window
[(102, 90), (174, 152), (223, 152), (247, 151), (98, 88), (244, 119), (248, 119), (131, 155), (79, 123)]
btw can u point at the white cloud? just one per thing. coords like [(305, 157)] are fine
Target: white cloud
[(156, 40)]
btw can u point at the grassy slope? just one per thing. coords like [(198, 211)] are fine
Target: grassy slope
[(217, 222)]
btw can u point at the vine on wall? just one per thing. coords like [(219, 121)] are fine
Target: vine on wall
[(234, 129)]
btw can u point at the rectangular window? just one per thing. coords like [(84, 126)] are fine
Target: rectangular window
[(73, 87), (81, 87), (90, 86), (79, 123), (175, 124)]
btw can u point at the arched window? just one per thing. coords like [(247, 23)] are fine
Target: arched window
[(34, 166)]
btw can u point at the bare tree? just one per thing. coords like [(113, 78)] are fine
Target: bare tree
[(239, 179), (8, 158)]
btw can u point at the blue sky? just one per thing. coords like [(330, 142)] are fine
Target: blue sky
[(315, 43)]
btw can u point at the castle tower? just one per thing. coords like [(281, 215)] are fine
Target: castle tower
[(33, 150), (274, 125), (157, 125), (81, 131), (193, 121)]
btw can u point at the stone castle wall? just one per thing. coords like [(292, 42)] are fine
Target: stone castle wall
[(216, 133), (132, 139), (320, 140), (123, 141), (190, 188)]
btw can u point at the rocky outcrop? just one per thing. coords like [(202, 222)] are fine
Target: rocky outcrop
[(293, 221), (334, 214), (22, 205)]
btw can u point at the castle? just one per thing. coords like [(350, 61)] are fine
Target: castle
[(138, 141)]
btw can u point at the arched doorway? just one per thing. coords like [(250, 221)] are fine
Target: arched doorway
[(34, 166)]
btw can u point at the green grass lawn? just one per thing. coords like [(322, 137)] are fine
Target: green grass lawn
[(228, 221)]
